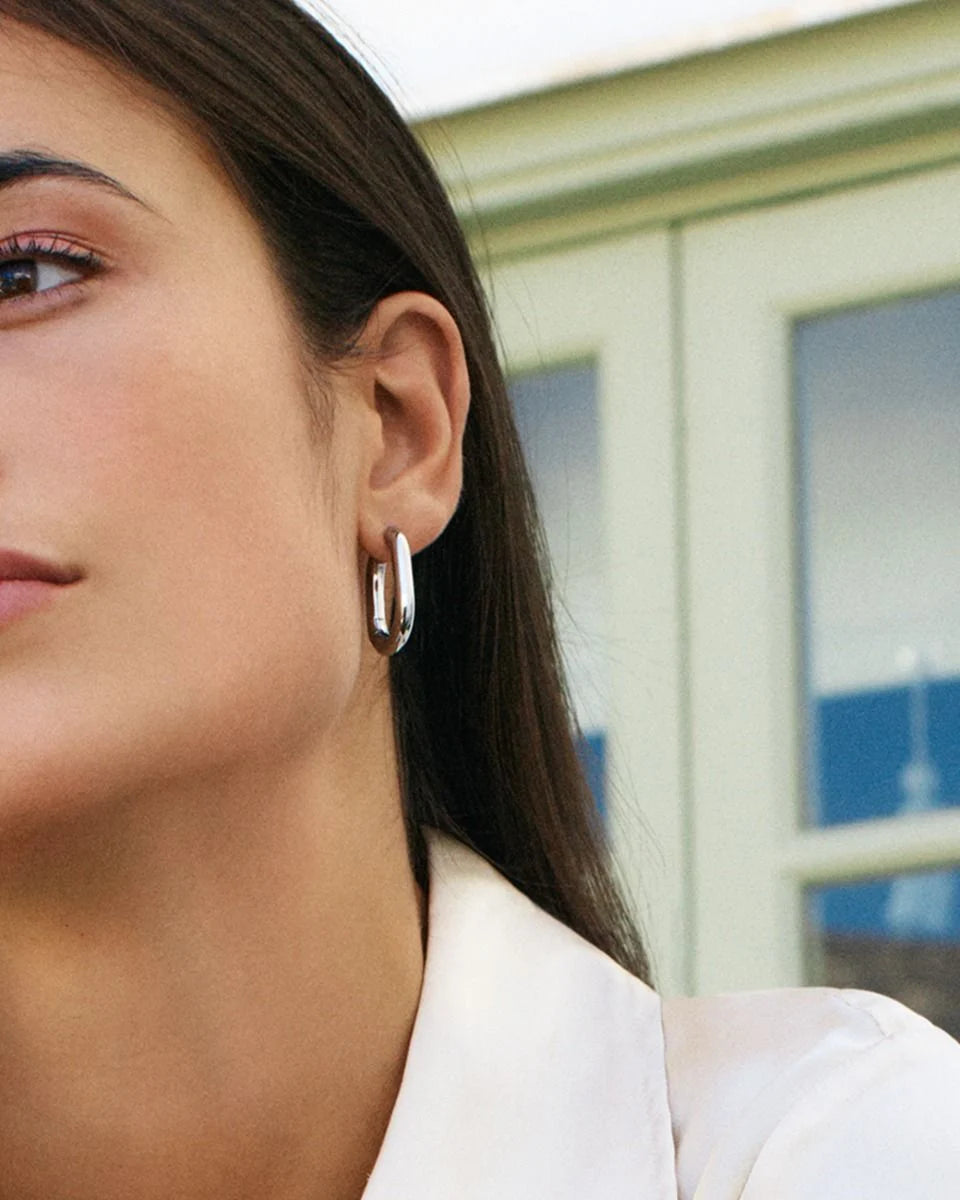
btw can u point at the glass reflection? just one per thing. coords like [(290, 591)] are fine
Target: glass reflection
[(878, 420), (556, 412), (899, 936)]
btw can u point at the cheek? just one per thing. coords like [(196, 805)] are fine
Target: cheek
[(221, 611)]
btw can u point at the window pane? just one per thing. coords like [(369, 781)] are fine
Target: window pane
[(878, 414), (556, 413), (899, 936)]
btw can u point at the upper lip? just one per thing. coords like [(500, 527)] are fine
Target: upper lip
[(16, 565)]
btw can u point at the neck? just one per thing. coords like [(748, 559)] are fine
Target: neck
[(208, 993)]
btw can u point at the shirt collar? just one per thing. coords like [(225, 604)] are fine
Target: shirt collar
[(536, 1064)]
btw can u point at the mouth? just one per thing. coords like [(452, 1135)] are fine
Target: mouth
[(28, 583)]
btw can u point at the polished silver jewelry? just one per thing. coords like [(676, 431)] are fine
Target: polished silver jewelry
[(390, 636)]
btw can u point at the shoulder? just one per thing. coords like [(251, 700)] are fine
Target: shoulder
[(811, 1092)]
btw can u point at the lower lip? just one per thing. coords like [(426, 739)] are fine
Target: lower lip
[(21, 596)]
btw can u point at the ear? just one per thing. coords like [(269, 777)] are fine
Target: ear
[(416, 389)]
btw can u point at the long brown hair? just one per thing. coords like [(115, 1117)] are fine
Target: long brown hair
[(353, 211)]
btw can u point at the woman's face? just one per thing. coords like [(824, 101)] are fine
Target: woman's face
[(154, 436)]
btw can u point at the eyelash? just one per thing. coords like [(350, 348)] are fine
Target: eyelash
[(50, 248)]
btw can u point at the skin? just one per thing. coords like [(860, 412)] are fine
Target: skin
[(211, 940)]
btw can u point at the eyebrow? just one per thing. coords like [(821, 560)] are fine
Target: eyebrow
[(17, 165)]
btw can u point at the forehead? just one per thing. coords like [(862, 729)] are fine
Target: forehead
[(61, 101)]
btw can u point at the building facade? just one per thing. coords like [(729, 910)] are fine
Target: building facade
[(728, 292)]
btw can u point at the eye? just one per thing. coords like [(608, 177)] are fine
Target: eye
[(41, 265), (34, 275)]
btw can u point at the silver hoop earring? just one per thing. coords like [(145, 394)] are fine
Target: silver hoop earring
[(389, 637)]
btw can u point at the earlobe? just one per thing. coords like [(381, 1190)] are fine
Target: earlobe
[(418, 392)]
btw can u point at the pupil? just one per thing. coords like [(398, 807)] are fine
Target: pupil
[(17, 277)]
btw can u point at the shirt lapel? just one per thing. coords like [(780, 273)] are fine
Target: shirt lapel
[(536, 1066)]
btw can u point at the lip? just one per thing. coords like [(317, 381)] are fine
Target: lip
[(28, 583), (15, 565)]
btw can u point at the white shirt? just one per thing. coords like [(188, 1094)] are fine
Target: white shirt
[(539, 1069)]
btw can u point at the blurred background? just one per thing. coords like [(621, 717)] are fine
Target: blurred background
[(722, 247)]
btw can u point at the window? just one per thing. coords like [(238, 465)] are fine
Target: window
[(556, 411), (877, 391)]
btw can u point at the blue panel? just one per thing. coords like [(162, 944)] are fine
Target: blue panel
[(864, 742), (923, 906), (593, 748)]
